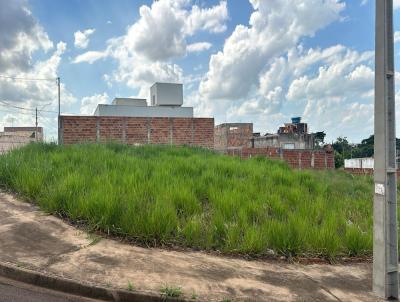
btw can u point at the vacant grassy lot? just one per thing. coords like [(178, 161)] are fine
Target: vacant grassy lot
[(193, 197)]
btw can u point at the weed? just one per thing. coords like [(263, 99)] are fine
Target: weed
[(173, 292), (195, 197), (130, 286), (20, 264), (94, 239)]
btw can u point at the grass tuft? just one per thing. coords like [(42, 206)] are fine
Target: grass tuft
[(173, 292), (130, 286), (197, 198)]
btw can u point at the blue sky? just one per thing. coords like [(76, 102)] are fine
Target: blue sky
[(260, 61)]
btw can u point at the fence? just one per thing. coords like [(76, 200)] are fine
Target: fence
[(10, 142), (297, 159), (138, 130)]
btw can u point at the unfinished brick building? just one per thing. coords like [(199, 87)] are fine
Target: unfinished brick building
[(297, 149), (232, 135)]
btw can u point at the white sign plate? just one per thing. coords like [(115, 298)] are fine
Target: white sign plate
[(379, 189)]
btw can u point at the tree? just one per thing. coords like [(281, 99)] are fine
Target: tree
[(344, 150), (319, 139)]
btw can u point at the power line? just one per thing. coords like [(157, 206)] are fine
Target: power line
[(27, 79), (24, 108), (14, 112), (47, 121), (8, 105)]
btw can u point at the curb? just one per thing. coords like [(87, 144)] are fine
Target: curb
[(75, 287)]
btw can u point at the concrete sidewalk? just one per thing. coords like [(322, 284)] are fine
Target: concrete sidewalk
[(31, 239)]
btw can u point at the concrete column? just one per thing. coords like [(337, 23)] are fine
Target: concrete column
[(148, 124), (312, 159), (124, 130), (97, 129), (299, 159), (60, 130), (171, 130), (385, 261), (193, 133)]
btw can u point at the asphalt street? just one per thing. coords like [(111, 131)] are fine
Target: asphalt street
[(13, 291)]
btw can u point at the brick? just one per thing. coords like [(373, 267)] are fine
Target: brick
[(138, 130), (297, 159)]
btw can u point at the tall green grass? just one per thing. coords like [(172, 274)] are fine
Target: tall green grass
[(194, 197)]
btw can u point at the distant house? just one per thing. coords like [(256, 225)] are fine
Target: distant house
[(161, 120), (292, 135), (15, 137), (292, 143)]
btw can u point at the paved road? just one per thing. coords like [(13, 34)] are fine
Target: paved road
[(13, 291)]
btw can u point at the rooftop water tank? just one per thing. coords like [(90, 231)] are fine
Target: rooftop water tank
[(296, 120)]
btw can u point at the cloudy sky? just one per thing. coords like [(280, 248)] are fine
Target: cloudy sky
[(260, 61)]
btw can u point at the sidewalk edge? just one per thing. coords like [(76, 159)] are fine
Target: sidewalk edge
[(70, 286)]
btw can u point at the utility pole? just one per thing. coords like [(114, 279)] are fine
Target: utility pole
[(385, 262), (59, 111), (36, 124)]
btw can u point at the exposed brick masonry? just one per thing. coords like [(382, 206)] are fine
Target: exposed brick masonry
[(364, 171), (232, 135), (138, 130), (298, 159)]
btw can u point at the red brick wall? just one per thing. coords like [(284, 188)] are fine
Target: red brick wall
[(202, 132), (76, 129), (232, 135), (110, 129), (362, 171), (138, 130), (359, 171), (160, 131), (298, 159)]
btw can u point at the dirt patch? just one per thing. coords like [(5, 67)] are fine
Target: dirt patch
[(36, 241)]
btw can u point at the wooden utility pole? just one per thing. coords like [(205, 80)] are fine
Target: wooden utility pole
[(385, 263)]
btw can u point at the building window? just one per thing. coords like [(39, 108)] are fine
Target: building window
[(288, 146)]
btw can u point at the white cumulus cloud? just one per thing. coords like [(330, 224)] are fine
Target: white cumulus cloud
[(160, 34), (274, 27), (89, 103), (82, 38), (90, 57), (21, 36), (199, 46)]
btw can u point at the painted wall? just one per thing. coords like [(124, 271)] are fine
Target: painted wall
[(13, 141), (164, 94), (285, 141), (359, 163), (137, 111)]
